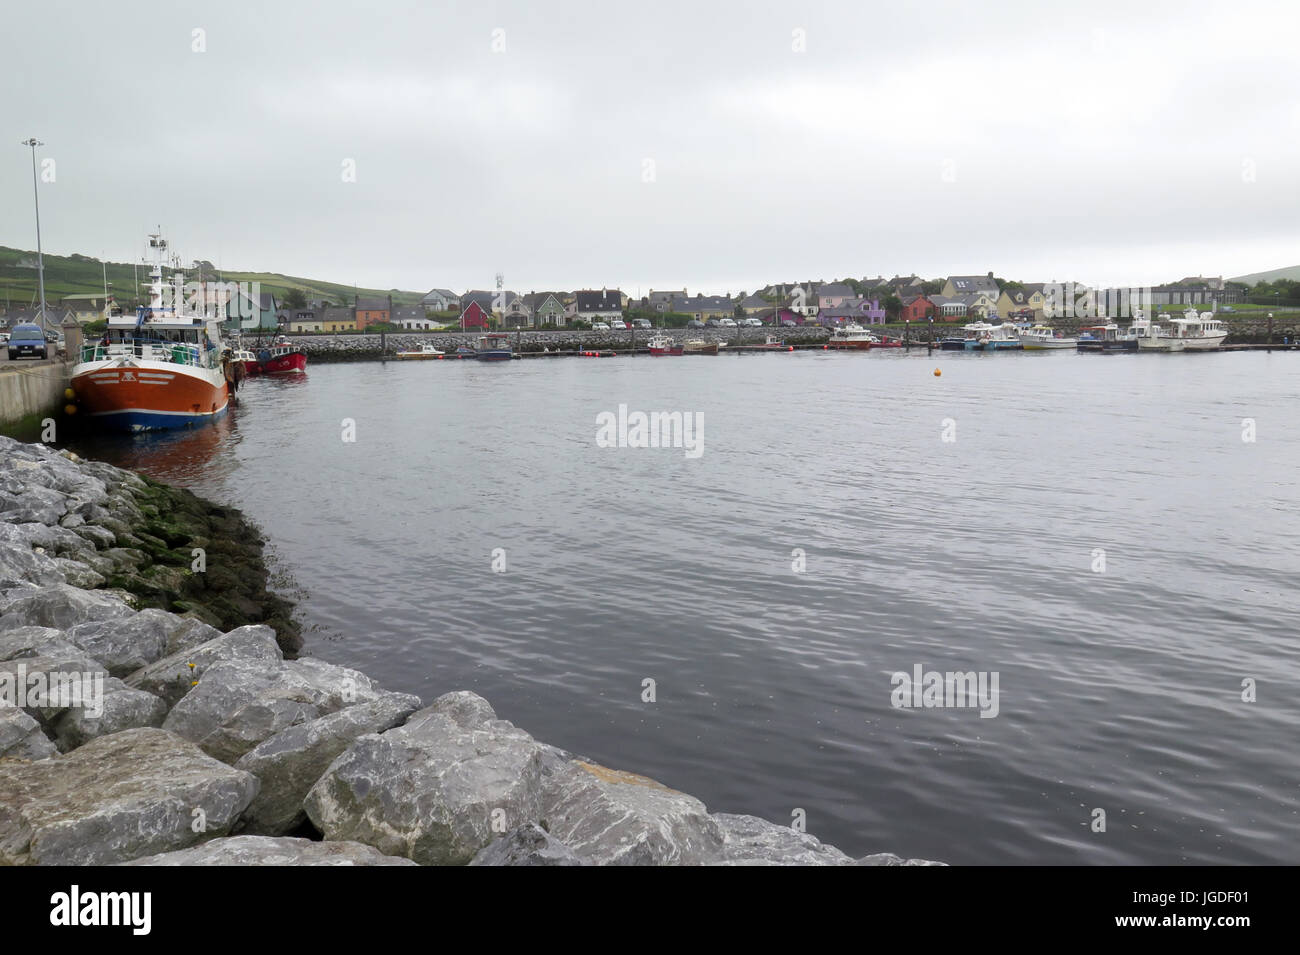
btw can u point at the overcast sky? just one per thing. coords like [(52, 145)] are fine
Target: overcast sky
[(708, 145)]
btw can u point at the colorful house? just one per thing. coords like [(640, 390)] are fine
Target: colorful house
[(372, 311), (338, 318), (916, 308), (546, 307), (834, 294), (475, 316)]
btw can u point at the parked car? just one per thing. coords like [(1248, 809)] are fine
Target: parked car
[(4, 337), (696, 323), (712, 323), (789, 323), (618, 323), (1227, 308), (599, 327), (752, 322), (641, 323), (727, 322), (27, 341)]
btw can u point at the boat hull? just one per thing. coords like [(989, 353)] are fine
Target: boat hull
[(1107, 347), (701, 350), (494, 354), (1058, 344), (673, 350), (149, 396), (292, 363), (851, 345)]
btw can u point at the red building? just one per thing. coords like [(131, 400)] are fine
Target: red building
[(917, 308), (474, 317)]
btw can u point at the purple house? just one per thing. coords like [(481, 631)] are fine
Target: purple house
[(857, 310)]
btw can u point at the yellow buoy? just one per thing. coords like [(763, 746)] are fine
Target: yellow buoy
[(69, 393), (69, 409), (937, 373)]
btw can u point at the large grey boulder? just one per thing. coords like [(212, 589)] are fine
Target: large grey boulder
[(436, 789), (528, 844), (35, 642), (888, 858), (127, 644), (238, 703), (21, 736), (610, 817), (120, 708), (20, 564), (749, 840), (290, 762), (119, 797), (269, 850), (48, 686), (60, 606), (170, 677)]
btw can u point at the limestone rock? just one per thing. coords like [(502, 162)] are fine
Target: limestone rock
[(122, 708), (610, 817), (21, 736), (119, 797), (170, 677), (269, 850), (436, 789), (239, 703), (290, 762), (528, 844), (749, 840)]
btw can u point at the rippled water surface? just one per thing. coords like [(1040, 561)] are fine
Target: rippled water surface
[(1119, 690)]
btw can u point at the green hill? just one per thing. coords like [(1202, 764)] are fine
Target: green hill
[(1254, 278), (83, 275)]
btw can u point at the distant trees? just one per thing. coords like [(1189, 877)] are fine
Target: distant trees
[(893, 306), (294, 298), (932, 287)]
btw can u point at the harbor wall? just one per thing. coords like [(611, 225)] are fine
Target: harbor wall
[(31, 392)]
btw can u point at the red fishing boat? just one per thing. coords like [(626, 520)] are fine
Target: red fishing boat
[(664, 345), (279, 358)]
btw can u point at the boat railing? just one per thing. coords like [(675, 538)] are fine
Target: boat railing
[(180, 353)]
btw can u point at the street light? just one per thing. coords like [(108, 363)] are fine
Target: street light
[(40, 259)]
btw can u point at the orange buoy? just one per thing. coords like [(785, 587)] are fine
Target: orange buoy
[(69, 393), (937, 373), (791, 348), (70, 409)]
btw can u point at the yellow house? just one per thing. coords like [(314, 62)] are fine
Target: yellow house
[(339, 318), (1031, 296)]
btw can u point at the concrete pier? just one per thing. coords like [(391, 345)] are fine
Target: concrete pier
[(31, 391)]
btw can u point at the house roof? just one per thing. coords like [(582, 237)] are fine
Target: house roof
[(373, 304), (755, 301), (338, 313), (408, 311), (973, 283), (837, 289), (604, 300), (445, 293), (704, 303)]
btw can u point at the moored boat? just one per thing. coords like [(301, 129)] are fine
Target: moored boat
[(661, 345), (494, 348), (1193, 332), (1044, 338), (852, 337), (1004, 337), (425, 352), (1108, 338), (162, 368), (697, 346), (772, 343)]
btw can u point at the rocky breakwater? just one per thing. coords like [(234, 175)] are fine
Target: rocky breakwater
[(143, 735), (366, 347)]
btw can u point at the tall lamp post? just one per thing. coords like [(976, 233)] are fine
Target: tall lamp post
[(40, 258)]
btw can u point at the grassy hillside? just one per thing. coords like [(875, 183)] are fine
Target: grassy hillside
[(1254, 278), (83, 275)]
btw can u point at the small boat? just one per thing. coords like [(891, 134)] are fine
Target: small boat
[(1108, 338), (1044, 338), (852, 337), (772, 343), (494, 348), (1004, 337), (972, 338), (425, 352), (281, 358), (661, 345), (697, 346), (1193, 332)]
